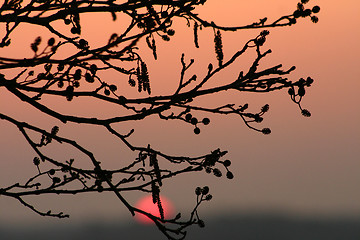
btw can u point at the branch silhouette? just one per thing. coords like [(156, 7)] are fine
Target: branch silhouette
[(54, 71)]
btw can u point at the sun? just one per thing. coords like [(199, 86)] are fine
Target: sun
[(146, 204)]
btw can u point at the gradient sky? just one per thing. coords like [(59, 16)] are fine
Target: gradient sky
[(307, 166)]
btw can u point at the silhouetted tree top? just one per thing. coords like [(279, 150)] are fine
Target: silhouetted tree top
[(55, 71)]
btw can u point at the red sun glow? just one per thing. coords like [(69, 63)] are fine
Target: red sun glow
[(146, 204)]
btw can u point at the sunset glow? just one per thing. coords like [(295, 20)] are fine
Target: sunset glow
[(307, 166)]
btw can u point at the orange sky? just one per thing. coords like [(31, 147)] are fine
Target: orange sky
[(306, 166)]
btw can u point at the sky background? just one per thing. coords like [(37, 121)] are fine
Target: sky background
[(306, 167)]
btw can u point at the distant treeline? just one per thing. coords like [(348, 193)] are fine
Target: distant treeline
[(242, 228)]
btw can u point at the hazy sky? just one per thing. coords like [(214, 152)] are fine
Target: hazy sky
[(307, 166)]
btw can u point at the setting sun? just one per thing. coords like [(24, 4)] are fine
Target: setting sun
[(147, 205)]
